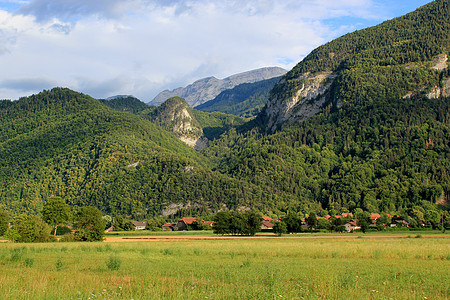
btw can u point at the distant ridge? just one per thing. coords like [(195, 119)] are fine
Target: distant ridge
[(126, 103), (208, 88), (244, 100)]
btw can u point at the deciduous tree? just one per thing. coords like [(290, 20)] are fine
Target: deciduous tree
[(30, 229), (56, 212), (89, 224)]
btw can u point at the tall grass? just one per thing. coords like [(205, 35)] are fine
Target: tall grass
[(229, 269)]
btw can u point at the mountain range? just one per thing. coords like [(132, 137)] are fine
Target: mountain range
[(244, 100), (362, 123), (208, 88)]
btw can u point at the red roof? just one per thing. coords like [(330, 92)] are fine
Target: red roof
[(267, 218), (188, 220), (169, 224), (210, 223), (353, 223), (345, 215), (375, 216), (267, 224)]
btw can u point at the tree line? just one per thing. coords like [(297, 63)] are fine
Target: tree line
[(87, 222)]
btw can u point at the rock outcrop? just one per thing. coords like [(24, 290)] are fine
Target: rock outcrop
[(307, 100), (176, 116)]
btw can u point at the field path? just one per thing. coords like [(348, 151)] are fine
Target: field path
[(215, 237)]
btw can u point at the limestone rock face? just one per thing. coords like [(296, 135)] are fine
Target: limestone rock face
[(175, 115), (440, 63), (208, 88), (310, 95)]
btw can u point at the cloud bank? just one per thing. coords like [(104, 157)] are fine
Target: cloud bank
[(140, 47)]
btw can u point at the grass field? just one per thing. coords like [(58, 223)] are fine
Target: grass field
[(272, 268)]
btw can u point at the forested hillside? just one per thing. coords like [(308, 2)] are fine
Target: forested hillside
[(363, 122), (64, 143), (399, 57), (389, 156), (125, 103)]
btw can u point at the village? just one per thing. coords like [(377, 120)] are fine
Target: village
[(346, 222)]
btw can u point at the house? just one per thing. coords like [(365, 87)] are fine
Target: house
[(375, 217), (399, 223), (184, 222), (268, 219), (139, 225), (209, 223), (109, 229), (345, 215), (169, 226), (266, 225), (352, 225)]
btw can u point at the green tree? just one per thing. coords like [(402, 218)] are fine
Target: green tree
[(279, 228), (311, 221), (30, 229), (293, 223), (89, 224), (56, 212), (121, 223), (252, 222), (364, 220), (222, 221), (323, 224), (196, 225), (3, 222)]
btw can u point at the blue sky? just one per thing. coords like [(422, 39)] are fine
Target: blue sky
[(141, 47)]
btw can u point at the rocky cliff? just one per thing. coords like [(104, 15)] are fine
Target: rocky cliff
[(403, 57)]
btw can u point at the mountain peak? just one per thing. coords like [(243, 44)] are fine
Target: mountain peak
[(208, 88)]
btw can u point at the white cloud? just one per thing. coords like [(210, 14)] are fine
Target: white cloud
[(141, 47)]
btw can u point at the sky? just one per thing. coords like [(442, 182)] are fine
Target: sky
[(141, 47)]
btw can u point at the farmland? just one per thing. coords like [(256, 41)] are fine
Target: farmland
[(322, 267)]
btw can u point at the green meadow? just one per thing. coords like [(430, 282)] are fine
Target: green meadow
[(244, 268)]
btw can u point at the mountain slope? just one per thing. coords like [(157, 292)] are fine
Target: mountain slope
[(206, 89), (397, 58), (374, 135), (244, 100), (64, 143), (125, 103), (361, 123)]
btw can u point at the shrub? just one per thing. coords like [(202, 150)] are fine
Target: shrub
[(16, 254), (167, 251), (28, 262), (12, 235), (29, 229), (113, 263), (62, 230), (68, 237), (59, 264)]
